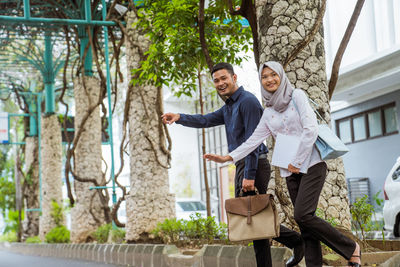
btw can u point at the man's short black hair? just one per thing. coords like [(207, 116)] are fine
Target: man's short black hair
[(222, 66)]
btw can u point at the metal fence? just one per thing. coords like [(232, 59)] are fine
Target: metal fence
[(358, 188)]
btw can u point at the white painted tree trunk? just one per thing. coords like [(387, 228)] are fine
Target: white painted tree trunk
[(281, 26), (149, 200), (51, 171), (31, 194), (87, 214)]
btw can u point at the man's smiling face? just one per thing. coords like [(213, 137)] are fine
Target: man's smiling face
[(224, 82)]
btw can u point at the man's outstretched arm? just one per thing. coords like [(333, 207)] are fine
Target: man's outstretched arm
[(195, 121)]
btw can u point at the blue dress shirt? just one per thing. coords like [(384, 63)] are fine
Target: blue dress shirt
[(240, 114)]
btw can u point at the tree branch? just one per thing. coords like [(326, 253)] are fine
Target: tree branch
[(248, 10), (203, 41), (308, 38)]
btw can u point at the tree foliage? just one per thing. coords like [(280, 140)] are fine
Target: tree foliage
[(175, 56), (7, 185)]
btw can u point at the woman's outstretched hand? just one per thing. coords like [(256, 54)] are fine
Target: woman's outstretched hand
[(218, 158)]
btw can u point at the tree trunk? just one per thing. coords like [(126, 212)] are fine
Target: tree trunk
[(149, 200), (283, 25), (51, 171), (31, 194), (88, 213), (203, 147)]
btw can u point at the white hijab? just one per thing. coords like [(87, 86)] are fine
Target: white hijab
[(279, 99)]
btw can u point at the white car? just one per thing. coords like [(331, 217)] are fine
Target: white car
[(187, 207), (391, 191)]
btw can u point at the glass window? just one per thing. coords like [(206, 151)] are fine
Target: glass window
[(345, 131), (224, 141), (359, 128), (207, 140), (211, 178), (396, 174), (375, 124), (390, 119), (215, 180), (211, 136), (219, 141)]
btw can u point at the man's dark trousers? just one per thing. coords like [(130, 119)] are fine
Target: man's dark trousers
[(287, 237)]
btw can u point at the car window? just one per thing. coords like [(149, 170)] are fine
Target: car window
[(396, 174), (192, 206)]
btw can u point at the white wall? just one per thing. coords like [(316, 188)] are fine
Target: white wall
[(377, 29)]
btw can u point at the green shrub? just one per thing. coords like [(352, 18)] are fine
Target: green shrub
[(59, 234), (169, 231), (101, 233), (10, 236), (118, 235), (361, 213), (206, 229), (196, 231), (378, 225), (33, 240), (56, 213)]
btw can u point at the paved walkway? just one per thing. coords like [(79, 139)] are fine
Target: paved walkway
[(10, 259)]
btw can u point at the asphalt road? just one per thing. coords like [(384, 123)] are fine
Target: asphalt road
[(10, 259)]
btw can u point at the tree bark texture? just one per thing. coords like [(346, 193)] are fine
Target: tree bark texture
[(149, 200), (87, 214), (31, 192), (282, 25), (51, 171)]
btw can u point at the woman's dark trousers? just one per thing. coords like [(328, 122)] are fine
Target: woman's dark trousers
[(304, 190)]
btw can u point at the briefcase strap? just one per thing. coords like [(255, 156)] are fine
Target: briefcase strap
[(248, 210), (241, 191), (313, 108)]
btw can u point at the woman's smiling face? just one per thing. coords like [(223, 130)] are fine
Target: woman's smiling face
[(270, 80)]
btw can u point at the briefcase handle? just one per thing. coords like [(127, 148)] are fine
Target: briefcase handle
[(241, 191)]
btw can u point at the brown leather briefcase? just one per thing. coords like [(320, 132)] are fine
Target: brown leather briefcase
[(252, 217)]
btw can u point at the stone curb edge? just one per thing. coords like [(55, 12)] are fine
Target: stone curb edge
[(149, 255)]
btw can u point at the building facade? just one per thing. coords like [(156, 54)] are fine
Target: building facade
[(369, 125), (365, 103)]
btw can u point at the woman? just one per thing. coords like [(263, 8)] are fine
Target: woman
[(288, 112)]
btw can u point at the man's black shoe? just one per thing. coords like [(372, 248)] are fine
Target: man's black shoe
[(298, 254)]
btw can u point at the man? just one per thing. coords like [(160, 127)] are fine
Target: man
[(241, 114)]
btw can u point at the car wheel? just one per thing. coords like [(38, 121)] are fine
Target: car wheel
[(396, 227)]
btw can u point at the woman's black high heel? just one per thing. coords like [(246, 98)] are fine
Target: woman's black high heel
[(355, 264)]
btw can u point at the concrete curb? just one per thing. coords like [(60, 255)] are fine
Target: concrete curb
[(143, 255), (392, 262), (146, 255)]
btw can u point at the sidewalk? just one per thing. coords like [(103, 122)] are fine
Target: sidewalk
[(146, 255)]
